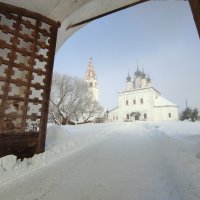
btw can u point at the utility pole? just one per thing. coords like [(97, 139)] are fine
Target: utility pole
[(186, 103)]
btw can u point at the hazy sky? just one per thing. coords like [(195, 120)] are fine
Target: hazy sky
[(159, 36)]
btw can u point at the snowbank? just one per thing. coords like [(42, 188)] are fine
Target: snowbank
[(61, 141), (64, 140)]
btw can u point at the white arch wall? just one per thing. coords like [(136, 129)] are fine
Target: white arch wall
[(69, 11)]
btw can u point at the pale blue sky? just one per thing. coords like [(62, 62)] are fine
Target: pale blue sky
[(159, 36)]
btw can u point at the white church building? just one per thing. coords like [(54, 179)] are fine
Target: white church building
[(141, 101)]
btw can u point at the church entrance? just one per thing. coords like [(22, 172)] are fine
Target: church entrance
[(137, 118)]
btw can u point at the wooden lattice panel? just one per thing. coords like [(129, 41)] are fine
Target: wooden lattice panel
[(27, 48)]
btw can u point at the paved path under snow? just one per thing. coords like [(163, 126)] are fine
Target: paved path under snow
[(126, 166)]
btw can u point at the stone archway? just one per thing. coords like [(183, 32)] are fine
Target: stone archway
[(77, 13), (19, 67)]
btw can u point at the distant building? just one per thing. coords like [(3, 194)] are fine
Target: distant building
[(141, 101), (91, 79)]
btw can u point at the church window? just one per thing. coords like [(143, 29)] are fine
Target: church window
[(141, 101), (127, 102), (145, 116), (90, 84), (134, 101), (113, 118), (116, 118), (170, 115), (127, 116)]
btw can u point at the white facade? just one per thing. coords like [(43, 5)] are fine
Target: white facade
[(141, 101), (91, 79)]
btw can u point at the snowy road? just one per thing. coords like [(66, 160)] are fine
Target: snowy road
[(132, 164)]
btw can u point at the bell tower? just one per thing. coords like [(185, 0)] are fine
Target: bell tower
[(91, 79)]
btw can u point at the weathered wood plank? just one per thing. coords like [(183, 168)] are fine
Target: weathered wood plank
[(195, 7), (9, 144)]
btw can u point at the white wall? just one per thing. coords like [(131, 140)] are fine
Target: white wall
[(137, 95), (148, 95), (162, 113)]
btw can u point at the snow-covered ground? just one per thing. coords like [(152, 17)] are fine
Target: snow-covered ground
[(114, 161)]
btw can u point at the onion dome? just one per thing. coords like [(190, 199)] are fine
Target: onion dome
[(138, 72), (128, 79), (148, 79), (143, 74)]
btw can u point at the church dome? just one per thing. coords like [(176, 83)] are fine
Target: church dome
[(128, 78), (148, 79), (143, 74), (138, 72)]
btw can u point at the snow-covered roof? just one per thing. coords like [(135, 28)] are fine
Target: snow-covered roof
[(161, 101), (114, 109)]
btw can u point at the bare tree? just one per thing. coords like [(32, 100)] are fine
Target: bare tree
[(90, 109), (71, 101)]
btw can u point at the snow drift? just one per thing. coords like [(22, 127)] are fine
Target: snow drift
[(62, 141)]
